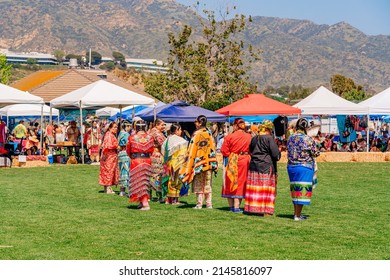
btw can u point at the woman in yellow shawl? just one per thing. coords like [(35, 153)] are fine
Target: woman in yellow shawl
[(200, 162), (174, 151)]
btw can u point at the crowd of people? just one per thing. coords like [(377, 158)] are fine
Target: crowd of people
[(158, 160), (162, 162), (378, 141), (25, 138)]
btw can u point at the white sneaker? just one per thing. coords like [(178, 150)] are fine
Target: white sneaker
[(300, 218)]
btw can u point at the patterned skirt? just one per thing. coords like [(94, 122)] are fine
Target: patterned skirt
[(174, 186), (157, 169), (124, 172), (301, 183), (109, 173), (202, 182), (260, 193)]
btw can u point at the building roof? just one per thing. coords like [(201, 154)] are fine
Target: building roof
[(52, 84), (36, 79)]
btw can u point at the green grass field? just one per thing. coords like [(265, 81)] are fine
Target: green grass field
[(60, 213)]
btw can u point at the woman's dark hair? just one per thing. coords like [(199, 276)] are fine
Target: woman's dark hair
[(174, 127), (202, 120), (140, 125), (124, 124), (240, 123), (157, 122), (302, 124), (111, 125)]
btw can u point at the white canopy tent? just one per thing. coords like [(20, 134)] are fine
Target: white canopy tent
[(99, 94), (27, 110), (107, 111), (110, 111), (10, 95), (379, 103), (324, 102)]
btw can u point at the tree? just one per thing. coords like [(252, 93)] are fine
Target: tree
[(59, 55), (355, 95), (96, 58), (120, 59), (31, 61), (108, 66), (298, 92), (5, 70), (341, 84), (346, 88), (208, 72)]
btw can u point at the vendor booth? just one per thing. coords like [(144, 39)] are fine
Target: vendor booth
[(324, 102), (99, 94)]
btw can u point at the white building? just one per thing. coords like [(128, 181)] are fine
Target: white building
[(22, 57), (147, 65)]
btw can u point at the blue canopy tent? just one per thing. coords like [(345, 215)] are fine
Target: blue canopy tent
[(128, 114), (253, 119), (180, 111)]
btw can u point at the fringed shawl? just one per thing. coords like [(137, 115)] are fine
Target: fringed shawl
[(174, 150), (200, 156)]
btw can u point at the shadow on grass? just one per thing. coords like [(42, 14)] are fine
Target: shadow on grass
[(132, 207), (226, 208), (288, 216), (185, 205)]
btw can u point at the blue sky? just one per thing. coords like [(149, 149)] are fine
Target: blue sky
[(369, 16)]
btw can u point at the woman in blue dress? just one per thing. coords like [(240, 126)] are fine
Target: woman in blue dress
[(301, 154)]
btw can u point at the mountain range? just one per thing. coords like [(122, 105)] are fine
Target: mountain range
[(293, 51)]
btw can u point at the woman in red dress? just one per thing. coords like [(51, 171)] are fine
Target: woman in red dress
[(109, 173), (236, 149), (139, 147)]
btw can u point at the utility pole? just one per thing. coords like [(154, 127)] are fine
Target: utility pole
[(90, 57)]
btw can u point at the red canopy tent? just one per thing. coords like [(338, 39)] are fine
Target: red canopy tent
[(258, 104)]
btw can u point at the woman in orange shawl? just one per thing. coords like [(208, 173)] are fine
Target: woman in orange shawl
[(109, 173), (236, 149), (200, 162)]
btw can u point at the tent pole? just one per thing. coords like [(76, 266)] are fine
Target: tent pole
[(51, 116), (120, 117), (41, 136), (368, 133), (82, 134), (154, 112)]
